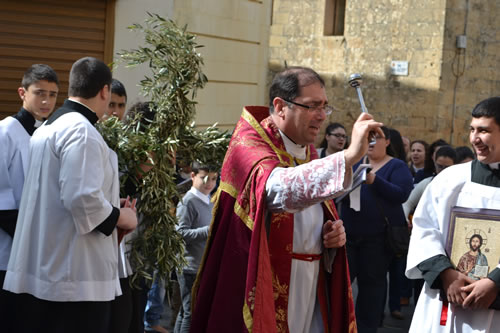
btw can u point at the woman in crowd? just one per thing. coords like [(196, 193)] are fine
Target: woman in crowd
[(429, 168), (364, 212), (335, 140), (418, 151)]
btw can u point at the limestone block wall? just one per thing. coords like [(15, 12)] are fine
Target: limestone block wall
[(476, 66), (423, 33)]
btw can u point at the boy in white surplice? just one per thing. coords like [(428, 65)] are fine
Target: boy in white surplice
[(451, 301)]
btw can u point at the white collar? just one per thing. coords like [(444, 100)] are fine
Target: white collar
[(205, 198), (494, 166), (294, 149), (38, 123)]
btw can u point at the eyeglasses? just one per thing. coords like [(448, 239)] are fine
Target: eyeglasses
[(326, 108), (338, 135)]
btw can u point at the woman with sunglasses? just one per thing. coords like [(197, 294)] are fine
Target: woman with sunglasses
[(335, 140)]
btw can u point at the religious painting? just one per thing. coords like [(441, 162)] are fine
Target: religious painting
[(473, 243)]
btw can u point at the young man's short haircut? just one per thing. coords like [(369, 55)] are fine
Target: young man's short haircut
[(39, 72), (118, 88), (464, 152), (447, 151), (489, 108), (196, 167), (87, 77)]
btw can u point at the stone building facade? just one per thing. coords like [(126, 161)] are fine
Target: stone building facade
[(444, 81)]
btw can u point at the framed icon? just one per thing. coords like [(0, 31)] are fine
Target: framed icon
[(473, 243)]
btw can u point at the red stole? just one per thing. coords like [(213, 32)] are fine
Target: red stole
[(243, 283)]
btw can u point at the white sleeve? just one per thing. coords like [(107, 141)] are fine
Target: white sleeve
[(293, 189), (415, 195), (427, 239), (12, 174), (81, 178)]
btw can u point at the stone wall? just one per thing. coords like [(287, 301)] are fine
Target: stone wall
[(421, 32)]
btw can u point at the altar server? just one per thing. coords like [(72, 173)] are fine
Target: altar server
[(63, 266)]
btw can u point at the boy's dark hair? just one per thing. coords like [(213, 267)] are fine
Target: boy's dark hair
[(287, 84), (118, 88), (87, 77), (39, 72), (196, 167), (464, 152), (489, 108), (328, 131), (447, 151), (147, 111)]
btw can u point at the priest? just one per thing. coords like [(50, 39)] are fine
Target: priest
[(275, 258), (451, 301)]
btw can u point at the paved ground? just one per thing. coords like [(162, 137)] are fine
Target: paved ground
[(390, 325)]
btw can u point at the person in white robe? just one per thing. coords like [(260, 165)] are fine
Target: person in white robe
[(63, 267), (450, 300), (38, 92)]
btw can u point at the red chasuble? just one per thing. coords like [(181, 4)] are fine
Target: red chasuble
[(243, 282)]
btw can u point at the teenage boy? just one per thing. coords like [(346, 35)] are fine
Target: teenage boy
[(38, 91), (118, 103)]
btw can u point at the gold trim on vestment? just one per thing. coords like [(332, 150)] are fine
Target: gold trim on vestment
[(328, 205), (238, 210), (256, 126), (247, 317)]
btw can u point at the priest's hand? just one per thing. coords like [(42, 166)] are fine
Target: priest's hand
[(359, 138), (453, 281), (333, 234), (481, 294)]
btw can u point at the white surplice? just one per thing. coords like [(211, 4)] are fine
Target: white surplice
[(452, 187), (300, 190), (14, 141), (71, 186)]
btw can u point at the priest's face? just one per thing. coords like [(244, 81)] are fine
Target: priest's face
[(485, 139), (302, 124)]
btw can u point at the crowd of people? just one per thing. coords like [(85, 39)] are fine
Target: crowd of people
[(270, 251)]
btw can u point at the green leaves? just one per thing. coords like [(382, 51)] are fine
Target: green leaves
[(176, 75)]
